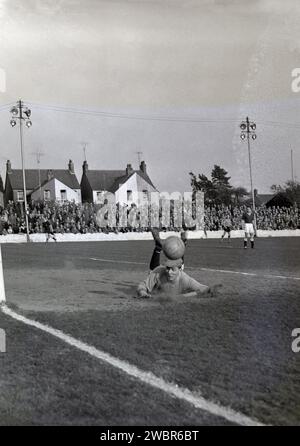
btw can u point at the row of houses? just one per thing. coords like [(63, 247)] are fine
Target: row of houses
[(62, 185)]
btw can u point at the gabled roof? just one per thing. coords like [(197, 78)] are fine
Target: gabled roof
[(43, 183), (145, 177), (103, 179), (111, 180), (122, 180), (280, 200), (119, 181), (32, 178), (264, 198), (260, 199)]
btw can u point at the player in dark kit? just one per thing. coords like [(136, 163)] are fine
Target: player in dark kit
[(248, 220), (227, 226), (49, 230)]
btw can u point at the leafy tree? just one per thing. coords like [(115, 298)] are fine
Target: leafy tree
[(217, 190), (292, 190), (219, 177), (275, 188), (202, 183), (239, 194)]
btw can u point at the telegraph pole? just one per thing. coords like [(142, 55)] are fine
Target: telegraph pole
[(292, 167), (38, 155), (84, 148)]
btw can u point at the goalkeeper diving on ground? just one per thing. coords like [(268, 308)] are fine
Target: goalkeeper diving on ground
[(170, 278)]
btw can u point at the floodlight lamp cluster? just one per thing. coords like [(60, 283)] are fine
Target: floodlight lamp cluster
[(20, 112), (248, 130)]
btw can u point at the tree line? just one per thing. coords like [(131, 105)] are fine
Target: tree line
[(218, 190)]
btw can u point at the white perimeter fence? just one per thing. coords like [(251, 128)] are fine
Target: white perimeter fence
[(40, 238)]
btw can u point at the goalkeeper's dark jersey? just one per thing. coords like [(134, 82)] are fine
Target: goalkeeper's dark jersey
[(248, 218)]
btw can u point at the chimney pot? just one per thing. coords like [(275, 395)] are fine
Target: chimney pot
[(8, 166), (143, 167), (71, 166), (85, 166), (50, 174), (129, 169)]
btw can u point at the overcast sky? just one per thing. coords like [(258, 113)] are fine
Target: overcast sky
[(170, 78)]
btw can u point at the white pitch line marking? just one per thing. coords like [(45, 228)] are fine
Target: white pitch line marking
[(145, 377), (269, 276), (225, 271), (118, 261), (282, 277)]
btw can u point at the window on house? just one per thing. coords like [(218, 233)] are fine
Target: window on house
[(129, 195), (47, 195), (145, 195), (20, 195), (63, 194), (100, 196)]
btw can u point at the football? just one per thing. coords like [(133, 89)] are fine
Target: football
[(173, 247)]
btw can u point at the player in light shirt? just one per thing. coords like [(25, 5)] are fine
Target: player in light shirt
[(170, 278)]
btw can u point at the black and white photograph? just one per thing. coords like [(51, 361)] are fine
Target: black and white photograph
[(149, 216)]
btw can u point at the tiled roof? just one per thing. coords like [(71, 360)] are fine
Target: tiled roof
[(32, 178), (264, 198), (260, 199), (111, 180), (280, 199), (103, 179), (145, 177), (119, 181)]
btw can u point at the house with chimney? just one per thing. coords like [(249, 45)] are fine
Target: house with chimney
[(59, 185), (127, 185)]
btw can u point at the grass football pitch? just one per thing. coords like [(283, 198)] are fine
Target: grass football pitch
[(233, 350)]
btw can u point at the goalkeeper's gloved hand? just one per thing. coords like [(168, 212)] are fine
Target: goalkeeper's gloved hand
[(143, 295), (210, 291), (214, 290)]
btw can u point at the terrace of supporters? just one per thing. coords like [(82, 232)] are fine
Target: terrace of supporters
[(81, 218)]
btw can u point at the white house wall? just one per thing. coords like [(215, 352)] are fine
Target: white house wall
[(136, 184), (72, 194), (55, 186)]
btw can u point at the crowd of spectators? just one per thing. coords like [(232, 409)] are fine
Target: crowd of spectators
[(267, 218), (81, 218)]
